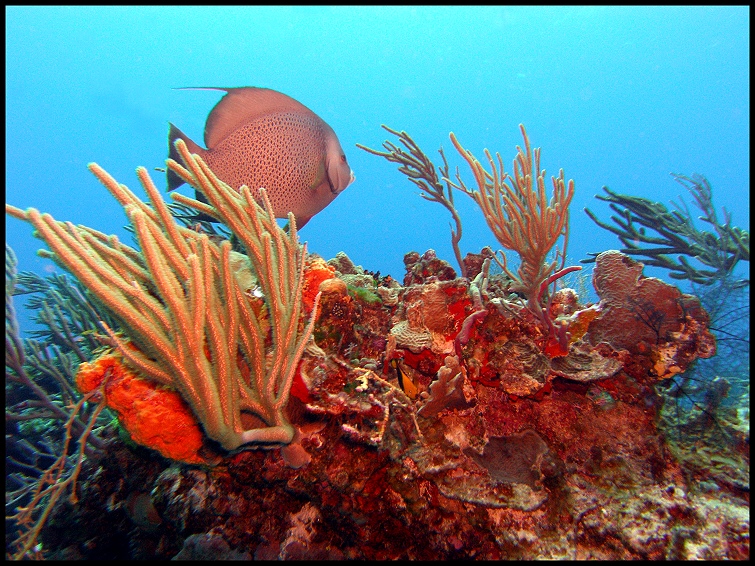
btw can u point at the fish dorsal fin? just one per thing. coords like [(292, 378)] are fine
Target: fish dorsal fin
[(243, 104)]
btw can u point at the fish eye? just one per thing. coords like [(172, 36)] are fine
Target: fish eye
[(343, 158)]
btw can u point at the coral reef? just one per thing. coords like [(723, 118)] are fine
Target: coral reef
[(517, 211), (703, 413), (421, 268), (663, 329), (521, 216), (46, 416), (480, 463), (445, 418)]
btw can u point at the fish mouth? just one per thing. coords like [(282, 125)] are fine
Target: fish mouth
[(335, 190)]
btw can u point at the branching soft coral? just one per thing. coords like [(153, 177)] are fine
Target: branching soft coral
[(649, 230), (516, 208), (524, 220), (180, 301)]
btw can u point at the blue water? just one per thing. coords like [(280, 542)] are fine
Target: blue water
[(614, 96)]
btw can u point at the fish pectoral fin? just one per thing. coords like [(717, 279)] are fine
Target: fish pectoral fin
[(322, 172)]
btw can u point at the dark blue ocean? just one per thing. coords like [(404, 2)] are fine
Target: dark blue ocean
[(614, 96)]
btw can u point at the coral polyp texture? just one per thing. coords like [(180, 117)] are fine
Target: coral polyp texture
[(302, 408)]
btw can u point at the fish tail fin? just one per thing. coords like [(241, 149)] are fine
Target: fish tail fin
[(174, 181)]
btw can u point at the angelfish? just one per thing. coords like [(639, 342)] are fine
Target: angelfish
[(259, 137)]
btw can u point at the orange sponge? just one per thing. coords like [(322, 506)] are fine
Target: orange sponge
[(315, 272), (153, 415)]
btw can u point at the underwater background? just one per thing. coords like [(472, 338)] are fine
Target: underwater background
[(614, 96)]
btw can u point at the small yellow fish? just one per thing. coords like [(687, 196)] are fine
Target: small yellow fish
[(259, 137)]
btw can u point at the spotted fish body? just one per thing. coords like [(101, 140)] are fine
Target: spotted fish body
[(263, 138)]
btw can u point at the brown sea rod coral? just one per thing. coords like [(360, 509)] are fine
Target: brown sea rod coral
[(520, 214)]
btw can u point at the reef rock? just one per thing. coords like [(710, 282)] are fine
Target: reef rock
[(415, 442)]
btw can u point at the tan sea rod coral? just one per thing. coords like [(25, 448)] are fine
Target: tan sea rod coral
[(189, 322)]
